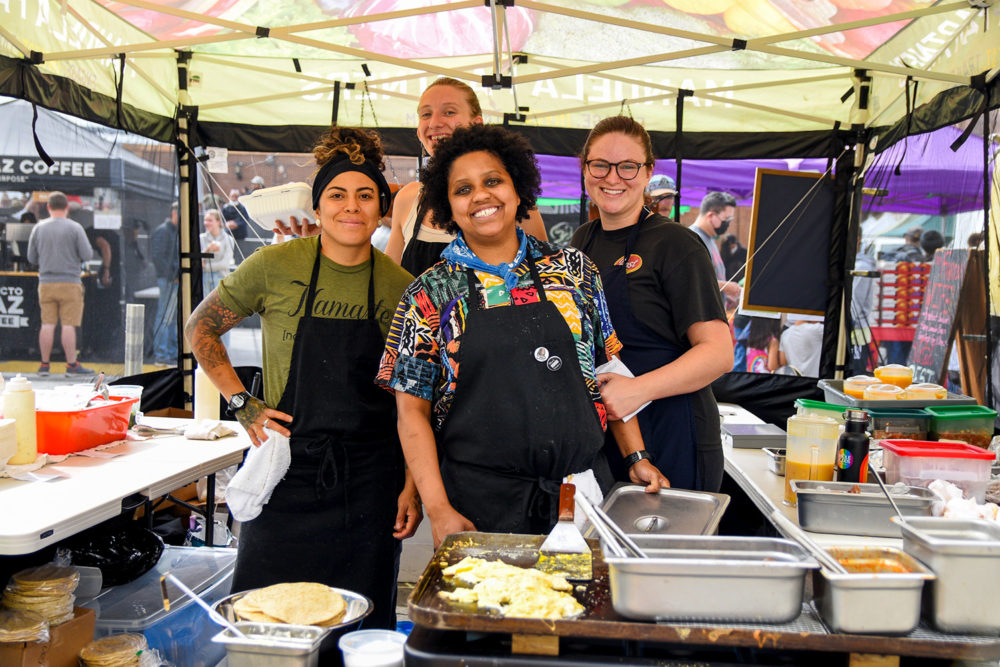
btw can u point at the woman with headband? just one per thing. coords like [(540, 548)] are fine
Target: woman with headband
[(325, 303), (415, 240)]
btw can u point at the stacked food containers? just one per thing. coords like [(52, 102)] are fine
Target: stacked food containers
[(918, 463)]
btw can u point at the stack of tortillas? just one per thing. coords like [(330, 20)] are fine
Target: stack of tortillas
[(47, 590), (114, 651), (298, 604), (22, 626)]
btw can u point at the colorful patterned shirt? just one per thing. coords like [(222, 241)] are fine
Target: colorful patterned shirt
[(421, 352)]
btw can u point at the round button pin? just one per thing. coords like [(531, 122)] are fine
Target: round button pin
[(541, 353), (554, 363)]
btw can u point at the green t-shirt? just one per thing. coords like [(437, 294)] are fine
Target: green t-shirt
[(274, 281)]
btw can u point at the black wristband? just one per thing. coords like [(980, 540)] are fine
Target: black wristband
[(635, 457)]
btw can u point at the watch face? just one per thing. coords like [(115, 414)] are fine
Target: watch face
[(237, 401)]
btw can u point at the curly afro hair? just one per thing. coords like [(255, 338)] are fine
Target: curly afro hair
[(509, 147)]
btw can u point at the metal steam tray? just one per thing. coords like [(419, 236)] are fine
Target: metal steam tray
[(827, 507), (669, 512)]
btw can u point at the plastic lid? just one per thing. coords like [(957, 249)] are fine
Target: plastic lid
[(950, 450), (898, 413), (946, 412), (818, 405), (19, 383)]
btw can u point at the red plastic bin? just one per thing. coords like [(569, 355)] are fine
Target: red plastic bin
[(919, 462), (66, 432)]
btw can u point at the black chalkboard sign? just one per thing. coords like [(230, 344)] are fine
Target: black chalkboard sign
[(789, 242), (937, 315)]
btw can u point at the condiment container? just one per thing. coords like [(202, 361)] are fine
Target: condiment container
[(373, 648), (810, 408), (809, 450), (880, 594), (846, 508), (907, 423), (19, 405), (964, 554), (918, 463), (883, 392), (273, 645), (775, 460), (969, 423), (925, 391), (897, 374), (129, 391), (8, 440), (855, 386)]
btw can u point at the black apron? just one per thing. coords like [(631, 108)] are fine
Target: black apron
[(667, 424), (522, 418), (330, 520), (418, 255)]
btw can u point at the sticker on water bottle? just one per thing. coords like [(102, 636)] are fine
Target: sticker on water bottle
[(844, 459)]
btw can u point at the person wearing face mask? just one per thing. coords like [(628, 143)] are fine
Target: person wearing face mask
[(714, 216), (415, 240), (325, 304), (666, 307)]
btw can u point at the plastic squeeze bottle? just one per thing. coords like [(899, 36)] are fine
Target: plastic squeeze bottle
[(19, 405)]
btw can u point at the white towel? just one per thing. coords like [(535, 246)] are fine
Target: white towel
[(251, 487), (207, 429), (585, 484)]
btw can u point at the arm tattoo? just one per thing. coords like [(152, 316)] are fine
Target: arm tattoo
[(253, 409), (211, 319)]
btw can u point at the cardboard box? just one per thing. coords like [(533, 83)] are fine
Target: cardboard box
[(63, 648)]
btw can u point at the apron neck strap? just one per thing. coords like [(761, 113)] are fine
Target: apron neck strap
[(633, 235), (476, 303), (314, 278)]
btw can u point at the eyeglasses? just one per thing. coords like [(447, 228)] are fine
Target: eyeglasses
[(627, 169)]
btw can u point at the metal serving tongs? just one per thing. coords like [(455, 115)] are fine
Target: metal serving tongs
[(212, 614), (798, 535), (611, 533)]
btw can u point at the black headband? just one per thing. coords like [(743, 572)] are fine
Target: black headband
[(335, 167)]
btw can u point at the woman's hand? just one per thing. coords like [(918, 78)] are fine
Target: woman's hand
[(256, 416), (644, 472), (446, 521), (295, 226), (621, 395), (409, 512)]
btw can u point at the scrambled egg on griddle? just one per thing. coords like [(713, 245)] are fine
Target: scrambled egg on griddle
[(510, 590)]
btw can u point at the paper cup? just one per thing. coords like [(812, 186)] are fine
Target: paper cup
[(373, 648)]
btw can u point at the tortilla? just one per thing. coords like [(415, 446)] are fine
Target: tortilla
[(22, 626), (301, 603), (114, 651)]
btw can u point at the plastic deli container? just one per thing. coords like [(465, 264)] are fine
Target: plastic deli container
[(855, 386), (810, 408), (279, 203), (65, 432), (899, 424), (969, 423), (918, 463)]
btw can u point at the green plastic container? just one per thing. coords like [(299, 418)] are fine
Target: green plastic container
[(912, 424), (805, 406), (968, 423)]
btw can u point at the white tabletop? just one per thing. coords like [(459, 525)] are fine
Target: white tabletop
[(36, 514), (748, 468)]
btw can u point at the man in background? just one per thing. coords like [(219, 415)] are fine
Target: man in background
[(714, 217), (235, 215), (59, 247), (911, 250), (662, 190), (164, 246)]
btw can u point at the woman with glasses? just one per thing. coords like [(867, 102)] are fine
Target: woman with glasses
[(666, 308), (492, 352)]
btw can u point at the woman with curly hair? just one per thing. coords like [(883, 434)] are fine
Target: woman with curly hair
[(325, 306), (493, 351)]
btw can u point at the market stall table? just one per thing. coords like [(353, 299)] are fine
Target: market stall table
[(91, 489)]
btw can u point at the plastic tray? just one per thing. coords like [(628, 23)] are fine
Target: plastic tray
[(279, 203), (833, 391), (76, 430)]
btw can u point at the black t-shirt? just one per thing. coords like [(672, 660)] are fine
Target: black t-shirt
[(673, 287)]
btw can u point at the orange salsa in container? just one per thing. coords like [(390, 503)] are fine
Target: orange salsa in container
[(897, 374), (925, 391), (883, 392), (855, 386)]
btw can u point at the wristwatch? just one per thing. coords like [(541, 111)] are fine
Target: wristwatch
[(238, 401), (635, 457)]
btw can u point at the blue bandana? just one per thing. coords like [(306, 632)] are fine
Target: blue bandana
[(459, 252)]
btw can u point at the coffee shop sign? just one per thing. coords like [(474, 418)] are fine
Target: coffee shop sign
[(12, 307), (18, 170)]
